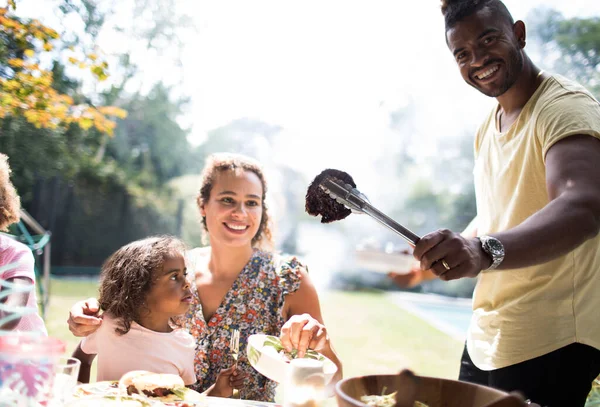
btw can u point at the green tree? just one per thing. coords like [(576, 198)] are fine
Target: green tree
[(26, 85), (150, 145), (572, 46)]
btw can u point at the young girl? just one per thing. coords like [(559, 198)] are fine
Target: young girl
[(239, 282), (18, 264), (143, 286)]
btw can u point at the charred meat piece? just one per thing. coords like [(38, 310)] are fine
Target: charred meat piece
[(158, 392), (319, 203)]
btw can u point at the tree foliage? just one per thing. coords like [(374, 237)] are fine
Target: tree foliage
[(571, 46), (26, 85), (95, 177)]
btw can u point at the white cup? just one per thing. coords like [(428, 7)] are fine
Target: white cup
[(65, 379), (305, 383)]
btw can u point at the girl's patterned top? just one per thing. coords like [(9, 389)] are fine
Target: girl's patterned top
[(253, 305)]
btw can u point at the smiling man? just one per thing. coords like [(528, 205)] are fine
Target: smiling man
[(535, 325)]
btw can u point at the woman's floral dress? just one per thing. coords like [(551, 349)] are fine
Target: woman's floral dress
[(253, 305)]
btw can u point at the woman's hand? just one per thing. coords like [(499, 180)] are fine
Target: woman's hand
[(303, 332), (413, 278), (84, 317)]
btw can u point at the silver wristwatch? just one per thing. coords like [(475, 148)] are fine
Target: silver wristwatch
[(494, 248)]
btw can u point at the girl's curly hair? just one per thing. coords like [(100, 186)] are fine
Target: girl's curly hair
[(10, 203), (221, 162), (128, 275)]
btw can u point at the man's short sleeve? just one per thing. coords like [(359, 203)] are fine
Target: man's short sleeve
[(570, 114)]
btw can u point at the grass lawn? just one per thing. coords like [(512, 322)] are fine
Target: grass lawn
[(369, 332), (374, 336)]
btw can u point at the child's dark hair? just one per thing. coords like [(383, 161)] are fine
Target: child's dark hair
[(128, 275), (456, 10), (9, 200)]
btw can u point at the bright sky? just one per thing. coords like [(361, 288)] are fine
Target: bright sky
[(328, 71), (325, 71)]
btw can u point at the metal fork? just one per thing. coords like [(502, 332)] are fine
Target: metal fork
[(234, 347)]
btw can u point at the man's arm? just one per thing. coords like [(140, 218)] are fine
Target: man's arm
[(14, 300), (571, 218)]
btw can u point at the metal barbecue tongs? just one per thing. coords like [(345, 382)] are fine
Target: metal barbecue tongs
[(357, 202)]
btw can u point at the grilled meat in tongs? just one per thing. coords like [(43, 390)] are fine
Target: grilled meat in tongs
[(347, 195)]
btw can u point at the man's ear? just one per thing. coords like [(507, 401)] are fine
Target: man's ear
[(520, 33)]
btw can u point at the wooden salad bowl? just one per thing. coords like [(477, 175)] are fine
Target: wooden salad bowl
[(431, 391)]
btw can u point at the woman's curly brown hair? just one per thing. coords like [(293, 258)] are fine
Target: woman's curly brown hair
[(221, 162), (128, 275), (10, 204)]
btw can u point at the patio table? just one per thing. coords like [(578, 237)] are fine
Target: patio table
[(223, 402)]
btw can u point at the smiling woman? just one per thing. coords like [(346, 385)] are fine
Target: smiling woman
[(233, 191), (237, 283), (240, 284)]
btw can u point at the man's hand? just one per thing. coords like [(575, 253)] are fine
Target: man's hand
[(450, 256), (84, 317)]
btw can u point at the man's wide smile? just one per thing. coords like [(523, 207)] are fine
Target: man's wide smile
[(487, 74)]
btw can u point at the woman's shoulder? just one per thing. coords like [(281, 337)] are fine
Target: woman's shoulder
[(286, 269), (285, 262), (280, 262)]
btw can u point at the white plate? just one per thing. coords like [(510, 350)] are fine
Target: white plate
[(109, 390), (112, 401), (383, 262), (263, 356)]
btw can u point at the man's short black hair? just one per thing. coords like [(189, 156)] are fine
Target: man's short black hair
[(456, 10)]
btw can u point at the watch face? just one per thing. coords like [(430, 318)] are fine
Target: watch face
[(495, 246)]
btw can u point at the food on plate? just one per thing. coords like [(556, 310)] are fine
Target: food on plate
[(267, 355), (273, 345), (162, 387), (385, 400), (107, 388), (111, 401), (318, 202), (151, 388)]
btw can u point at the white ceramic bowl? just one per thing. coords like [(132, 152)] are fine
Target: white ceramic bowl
[(262, 351)]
